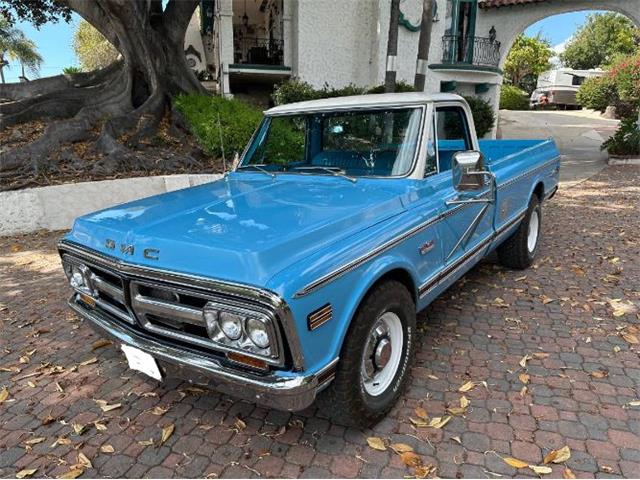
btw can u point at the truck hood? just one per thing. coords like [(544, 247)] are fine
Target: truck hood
[(243, 228)]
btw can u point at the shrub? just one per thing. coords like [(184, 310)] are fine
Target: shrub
[(293, 90), (512, 98), (483, 116), (626, 140), (71, 70), (401, 87), (597, 93), (238, 121)]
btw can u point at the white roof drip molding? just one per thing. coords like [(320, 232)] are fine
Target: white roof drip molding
[(363, 101)]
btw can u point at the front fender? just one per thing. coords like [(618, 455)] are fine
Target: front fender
[(345, 293)]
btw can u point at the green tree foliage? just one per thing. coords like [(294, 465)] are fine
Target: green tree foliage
[(600, 40), (484, 118), (92, 49), (210, 117), (15, 46), (513, 98), (529, 56), (597, 93)]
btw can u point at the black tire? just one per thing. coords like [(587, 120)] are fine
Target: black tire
[(514, 251), (346, 400)]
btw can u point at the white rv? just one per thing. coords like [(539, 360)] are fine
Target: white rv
[(558, 88)]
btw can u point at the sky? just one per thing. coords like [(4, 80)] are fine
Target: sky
[(54, 40)]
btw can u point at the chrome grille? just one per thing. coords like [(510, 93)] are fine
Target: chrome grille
[(107, 290), (115, 280), (178, 314)]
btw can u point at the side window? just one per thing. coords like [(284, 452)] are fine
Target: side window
[(452, 134)]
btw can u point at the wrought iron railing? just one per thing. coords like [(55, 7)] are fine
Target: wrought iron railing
[(457, 49), (258, 51)]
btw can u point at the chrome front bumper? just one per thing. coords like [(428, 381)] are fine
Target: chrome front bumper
[(293, 394)]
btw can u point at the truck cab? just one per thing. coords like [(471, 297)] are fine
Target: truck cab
[(298, 275)]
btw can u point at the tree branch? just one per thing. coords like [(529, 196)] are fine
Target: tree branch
[(177, 16)]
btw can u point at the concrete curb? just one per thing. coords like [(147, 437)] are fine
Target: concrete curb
[(55, 207), (623, 160)]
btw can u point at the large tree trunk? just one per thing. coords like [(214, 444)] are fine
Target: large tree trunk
[(130, 97)]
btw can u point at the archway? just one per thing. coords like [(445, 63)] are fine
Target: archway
[(512, 20)]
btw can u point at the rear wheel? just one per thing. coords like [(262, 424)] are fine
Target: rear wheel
[(375, 358), (520, 249)]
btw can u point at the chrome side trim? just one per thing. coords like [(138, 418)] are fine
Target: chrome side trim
[(442, 275), (292, 393), (529, 173), (329, 277), (235, 290), (352, 265), (338, 272)]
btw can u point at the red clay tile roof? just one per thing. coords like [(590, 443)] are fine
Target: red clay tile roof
[(504, 3)]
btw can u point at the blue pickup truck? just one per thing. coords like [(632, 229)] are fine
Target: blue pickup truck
[(298, 275)]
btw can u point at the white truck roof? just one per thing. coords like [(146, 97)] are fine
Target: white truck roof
[(359, 101)]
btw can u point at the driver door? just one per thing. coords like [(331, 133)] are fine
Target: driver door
[(466, 226)]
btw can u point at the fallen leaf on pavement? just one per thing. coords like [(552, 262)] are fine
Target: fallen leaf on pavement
[(464, 402), (34, 441), (84, 461), (78, 428), (4, 394), (568, 474), (411, 459), (514, 462), (376, 443), (27, 472), (421, 413), (101, 343), (166, 432), (630, 338), (89, 362), (540, 470), (467, 386), (524, 378), (107, 449), (105, 407), (523, 361), (73, 473), (158, 410), (401, 448), (438, 422), (558, 456)]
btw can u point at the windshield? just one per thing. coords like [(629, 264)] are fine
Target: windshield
[(356, 143)]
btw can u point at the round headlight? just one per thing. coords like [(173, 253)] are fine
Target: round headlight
[(257, 332), (231, 325)]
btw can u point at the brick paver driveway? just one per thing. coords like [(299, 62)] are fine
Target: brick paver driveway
[(573, 316)]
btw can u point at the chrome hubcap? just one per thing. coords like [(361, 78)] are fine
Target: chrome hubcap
[(382, 354)]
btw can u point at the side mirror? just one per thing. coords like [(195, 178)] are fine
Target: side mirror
[(468, 171)]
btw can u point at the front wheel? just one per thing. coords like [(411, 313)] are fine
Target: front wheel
[(520, 249), (375, 358)]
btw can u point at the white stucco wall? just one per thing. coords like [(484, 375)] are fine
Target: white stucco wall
[(334, 41), (55, 207)]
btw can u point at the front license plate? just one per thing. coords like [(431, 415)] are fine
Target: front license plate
[(142, 362)]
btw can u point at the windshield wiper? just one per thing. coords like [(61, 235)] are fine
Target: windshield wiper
[(259, 167), (335, 171)]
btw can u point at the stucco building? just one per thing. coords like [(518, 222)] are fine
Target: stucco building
[(248, 45)]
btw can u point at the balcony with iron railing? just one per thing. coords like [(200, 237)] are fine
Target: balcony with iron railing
[(258, 51), (470, 52)]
